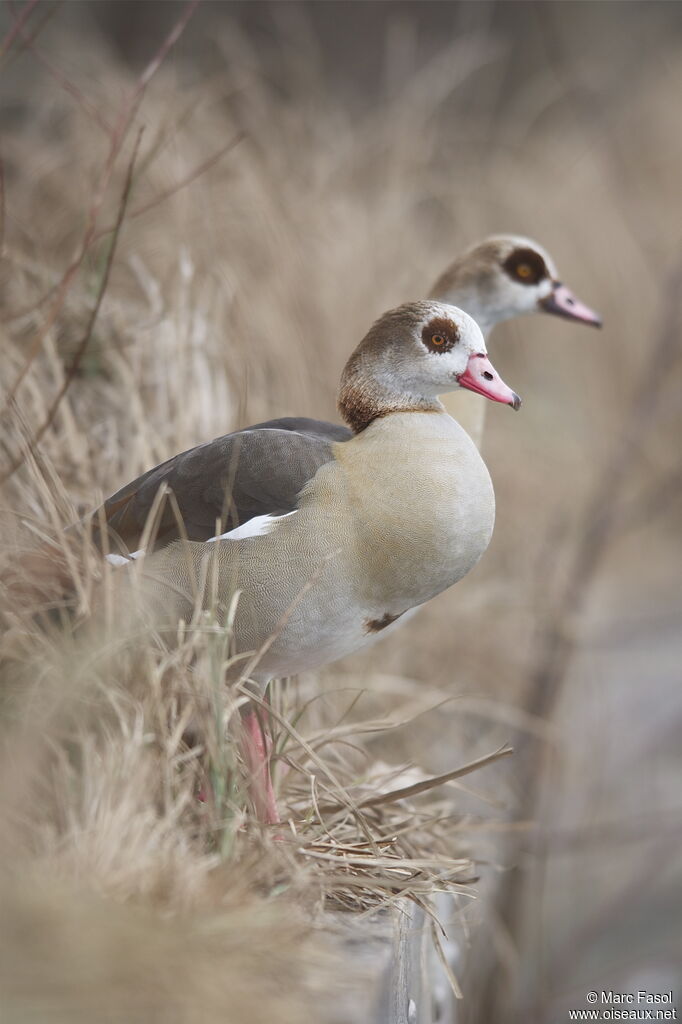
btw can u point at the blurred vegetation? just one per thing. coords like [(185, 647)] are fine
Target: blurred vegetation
[(302, 168)]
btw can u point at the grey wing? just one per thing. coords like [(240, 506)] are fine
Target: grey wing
[(221, 484), (304, 425)]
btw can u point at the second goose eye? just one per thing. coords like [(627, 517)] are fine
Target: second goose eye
[(525, 266)]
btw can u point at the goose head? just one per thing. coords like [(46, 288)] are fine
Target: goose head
[(410, 356), (506, 276)]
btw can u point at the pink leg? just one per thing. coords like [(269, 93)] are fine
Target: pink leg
[(256, 748)]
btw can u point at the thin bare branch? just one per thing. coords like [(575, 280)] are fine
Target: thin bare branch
[(118, 136), (17, 27), (204, 166), (80, 351), (69, 87)]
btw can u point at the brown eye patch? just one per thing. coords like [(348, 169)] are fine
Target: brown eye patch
[(525, 266), (439, 334)]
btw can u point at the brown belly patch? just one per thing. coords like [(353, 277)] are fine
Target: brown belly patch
[(376, 625)]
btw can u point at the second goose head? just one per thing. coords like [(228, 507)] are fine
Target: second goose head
[(506, 276), (410, 356)]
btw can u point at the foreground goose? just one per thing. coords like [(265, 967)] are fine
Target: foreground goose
[(498, 279), (338, 538), (502, 277)]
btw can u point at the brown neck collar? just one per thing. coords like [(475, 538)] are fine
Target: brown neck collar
[(362, 402)]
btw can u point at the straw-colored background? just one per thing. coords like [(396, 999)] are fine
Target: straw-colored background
[(376, 141)]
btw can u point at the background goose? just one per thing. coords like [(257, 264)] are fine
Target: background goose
[(498, 279), (342, 537)]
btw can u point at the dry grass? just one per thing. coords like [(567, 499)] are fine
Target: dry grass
[(104, 836), (268, 222)]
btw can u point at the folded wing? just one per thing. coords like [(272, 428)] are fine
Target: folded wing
[(222, 484)]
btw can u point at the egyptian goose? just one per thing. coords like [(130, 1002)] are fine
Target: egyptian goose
[(332, 539), (500, 278)]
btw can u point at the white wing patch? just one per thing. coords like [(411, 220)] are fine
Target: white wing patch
[(256, 527), (124, 559)]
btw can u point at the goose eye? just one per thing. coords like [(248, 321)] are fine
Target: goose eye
[(525, 266), (440, 334)]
